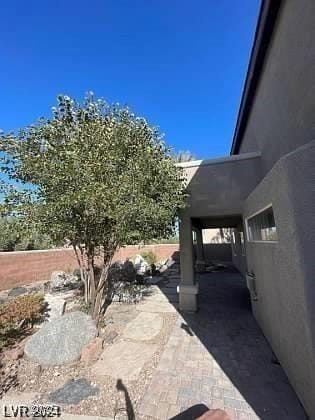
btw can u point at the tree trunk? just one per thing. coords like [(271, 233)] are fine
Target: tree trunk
[(97, 305), (92, 286), (94, 291), (83, 273)]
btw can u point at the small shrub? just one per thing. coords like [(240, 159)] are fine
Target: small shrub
[(149, 257), (19, 314)]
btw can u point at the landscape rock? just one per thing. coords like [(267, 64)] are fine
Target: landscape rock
[(144, 327), (15, 353), (17, 291), (92, 351), (109, 336), (124, 360), (73, 392), (141, 265), (35, 289), (77, 273), (56, 306), (163, 268), (169, 262), (60, 280), (126, 292), (61, 341)]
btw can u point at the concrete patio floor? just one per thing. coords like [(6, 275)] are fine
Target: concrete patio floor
[(219, 358)]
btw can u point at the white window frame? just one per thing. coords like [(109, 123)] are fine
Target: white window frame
[(247, 227)]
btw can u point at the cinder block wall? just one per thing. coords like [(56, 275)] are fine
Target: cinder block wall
[(24, 267)]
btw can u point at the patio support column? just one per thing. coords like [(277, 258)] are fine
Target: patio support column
[(188, 288), (200, 262)]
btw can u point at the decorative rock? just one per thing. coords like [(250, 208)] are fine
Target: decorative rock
[(61, 341), (73, 392), (92, 351), (17, 291), (60, 280), (169, 262), (15, 353), (36, 370), (163, 268), (144, 327), (124, 360), (56, 306), (77, 273), (141, 265), (35, 289), (109, 336)]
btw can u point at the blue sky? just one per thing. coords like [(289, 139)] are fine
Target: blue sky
[(179, 63)]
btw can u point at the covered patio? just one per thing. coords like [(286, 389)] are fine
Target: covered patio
[(217, 189)]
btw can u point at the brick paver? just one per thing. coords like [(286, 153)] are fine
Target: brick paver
[(218, 357)]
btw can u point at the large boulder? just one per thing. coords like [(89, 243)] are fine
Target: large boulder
[(61, 341)]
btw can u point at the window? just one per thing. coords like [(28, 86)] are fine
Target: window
[(262, 227)]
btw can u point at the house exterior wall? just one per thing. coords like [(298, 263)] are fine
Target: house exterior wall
[(282, 115), (285, 269)]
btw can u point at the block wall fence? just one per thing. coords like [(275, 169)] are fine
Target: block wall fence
[(24, 267)]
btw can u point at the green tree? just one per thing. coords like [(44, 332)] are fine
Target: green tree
[(9, 234), (101, 177), (14, 238)]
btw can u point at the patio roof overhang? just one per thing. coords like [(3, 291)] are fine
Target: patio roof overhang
[(218, 187)]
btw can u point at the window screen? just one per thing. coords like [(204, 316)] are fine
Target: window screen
[(262, 227)]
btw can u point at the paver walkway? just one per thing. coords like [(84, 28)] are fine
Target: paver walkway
[(218, 357)]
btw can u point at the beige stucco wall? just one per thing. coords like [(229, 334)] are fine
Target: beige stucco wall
[(285, 270), (282, 115)]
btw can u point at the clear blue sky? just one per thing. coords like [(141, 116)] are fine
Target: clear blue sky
[(179, 63)]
